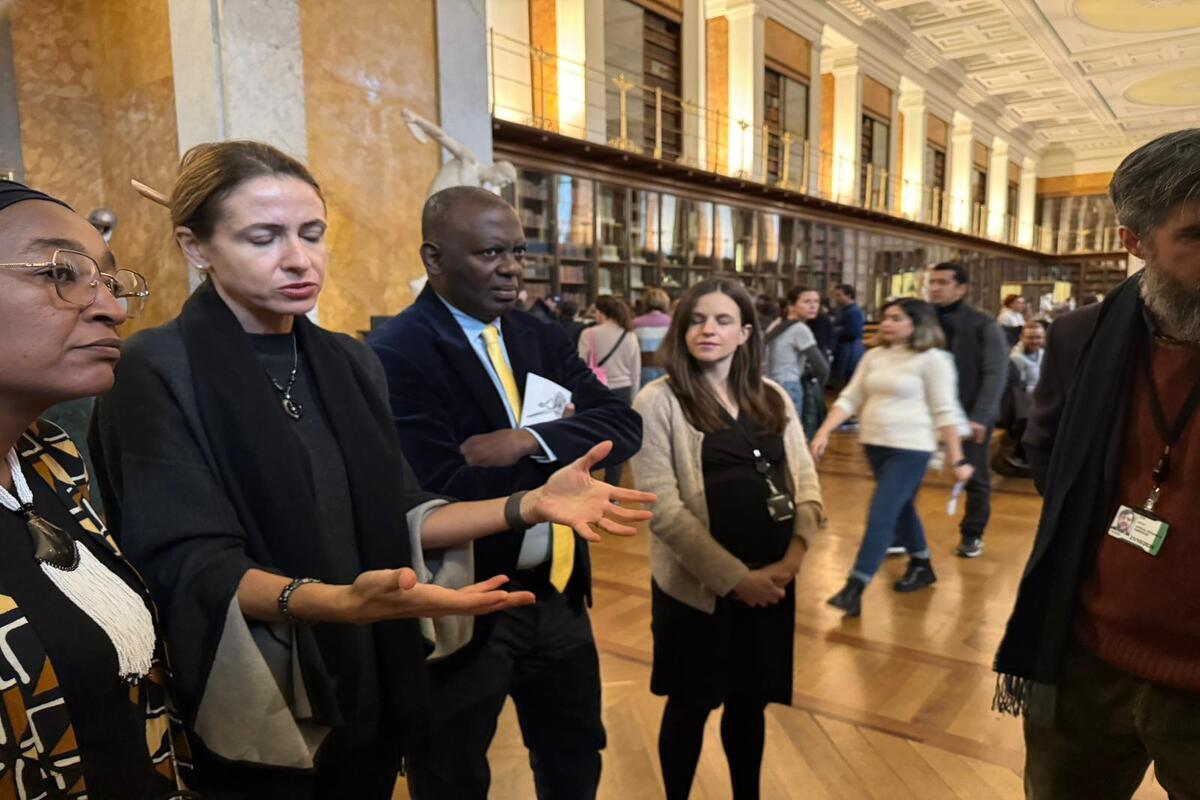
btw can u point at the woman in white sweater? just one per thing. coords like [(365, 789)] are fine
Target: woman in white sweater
[(611, 347), (902, 391)]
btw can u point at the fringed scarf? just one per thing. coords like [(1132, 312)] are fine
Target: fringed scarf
[(1030, 655)]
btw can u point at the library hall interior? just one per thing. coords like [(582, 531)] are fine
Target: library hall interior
[(599, 399)]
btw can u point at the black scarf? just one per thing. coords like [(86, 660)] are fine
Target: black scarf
[(265, 473), (1080, 470)]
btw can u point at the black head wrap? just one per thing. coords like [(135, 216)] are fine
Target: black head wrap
[(12, 192)]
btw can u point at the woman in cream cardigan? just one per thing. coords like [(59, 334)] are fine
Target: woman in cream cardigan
[(737, 500)]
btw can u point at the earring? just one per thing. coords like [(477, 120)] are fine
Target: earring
[(200, 267)]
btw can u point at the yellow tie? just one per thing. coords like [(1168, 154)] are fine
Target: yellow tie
[(562, 548)]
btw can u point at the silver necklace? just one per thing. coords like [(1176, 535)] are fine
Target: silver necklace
[(86, 582), (292, 408)]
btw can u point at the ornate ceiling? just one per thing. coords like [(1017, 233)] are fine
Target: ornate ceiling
[(1084, 75)]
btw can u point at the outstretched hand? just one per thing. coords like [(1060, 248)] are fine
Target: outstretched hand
[(383, 594), (573, 497)]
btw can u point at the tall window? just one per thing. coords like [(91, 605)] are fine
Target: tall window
[(785, 110), (644, 47), (875, 136)]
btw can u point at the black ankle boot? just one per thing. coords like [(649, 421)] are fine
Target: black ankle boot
[(918, 575), (849, 599)]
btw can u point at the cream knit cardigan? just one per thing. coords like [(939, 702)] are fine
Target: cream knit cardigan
[(686, 561)]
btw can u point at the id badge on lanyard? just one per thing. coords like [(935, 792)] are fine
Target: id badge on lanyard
[(1140, 527)]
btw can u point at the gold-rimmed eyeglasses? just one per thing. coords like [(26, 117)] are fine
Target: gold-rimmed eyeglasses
[(77, 278)]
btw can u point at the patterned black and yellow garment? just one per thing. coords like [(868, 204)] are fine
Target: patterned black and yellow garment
[(69, 728)]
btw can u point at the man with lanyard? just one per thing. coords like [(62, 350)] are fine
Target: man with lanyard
[(1102, 652), (457, 363)]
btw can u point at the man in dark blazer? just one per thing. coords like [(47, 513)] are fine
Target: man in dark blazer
[(457, 362), (981, 357)]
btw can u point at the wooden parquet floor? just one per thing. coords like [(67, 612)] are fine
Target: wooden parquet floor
[(894, 705)]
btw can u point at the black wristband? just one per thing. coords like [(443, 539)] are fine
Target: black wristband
[(962, 462), (512, 513), (286, 595)]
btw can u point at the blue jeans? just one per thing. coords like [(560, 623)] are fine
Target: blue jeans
[(898, 475), (795, 391)]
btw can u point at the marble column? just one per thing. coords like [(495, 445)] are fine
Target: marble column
[(997, 190), (847, 121), (813, 144), (1027, 200), (463, 75), (962, 139), (238, 70), (746, 25), (239, 74), (10, 116), (913, 200), (695, 44)]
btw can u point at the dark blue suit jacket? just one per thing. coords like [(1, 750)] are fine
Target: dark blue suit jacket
[(441, 395)]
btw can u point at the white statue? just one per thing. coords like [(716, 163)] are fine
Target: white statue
[(464, 168)]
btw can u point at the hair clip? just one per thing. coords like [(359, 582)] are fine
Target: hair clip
[(150, 193)]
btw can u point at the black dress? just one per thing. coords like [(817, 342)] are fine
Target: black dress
[(737, 651), (106, 715)]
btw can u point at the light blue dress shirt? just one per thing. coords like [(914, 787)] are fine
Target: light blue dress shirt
[(535, 548)]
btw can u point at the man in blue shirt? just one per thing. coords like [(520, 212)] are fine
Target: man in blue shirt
[(457, 363)]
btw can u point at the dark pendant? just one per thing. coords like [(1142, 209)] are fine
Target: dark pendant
[(293, 409), (51, 544)]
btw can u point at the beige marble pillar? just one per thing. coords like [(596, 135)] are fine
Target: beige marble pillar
[(962, 138), (997, 190), (911, 104), (1027, 195)]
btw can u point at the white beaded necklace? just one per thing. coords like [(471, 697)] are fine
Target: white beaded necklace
[(87, 583)]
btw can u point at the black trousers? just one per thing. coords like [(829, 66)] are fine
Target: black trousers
[(365, 771), (542, 655), (979, 488)]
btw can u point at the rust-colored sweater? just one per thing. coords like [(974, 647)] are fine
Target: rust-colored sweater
[(1141, 613)]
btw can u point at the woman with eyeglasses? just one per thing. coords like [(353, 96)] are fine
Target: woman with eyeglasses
[(80, 660), (252, 465)]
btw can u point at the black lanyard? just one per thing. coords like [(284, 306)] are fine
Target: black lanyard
[(1170, 434)]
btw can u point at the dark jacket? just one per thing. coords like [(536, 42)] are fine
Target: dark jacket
[(848, 348), (441, 395), (1064, 344), (981, 358)]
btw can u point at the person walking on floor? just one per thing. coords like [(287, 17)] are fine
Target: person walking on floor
[(848, 334), (981, 358), (795, 360), (738, 500), (903, 391), (611, 350)]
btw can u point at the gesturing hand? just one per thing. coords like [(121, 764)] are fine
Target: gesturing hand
[(573, 497), (395, 594), (818, 445)]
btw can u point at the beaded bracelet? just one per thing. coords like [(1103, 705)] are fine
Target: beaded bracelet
[(286, 595)]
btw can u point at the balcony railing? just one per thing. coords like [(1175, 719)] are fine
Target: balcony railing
[(533, 87)]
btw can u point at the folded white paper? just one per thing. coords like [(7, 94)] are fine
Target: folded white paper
[(545, 400)]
